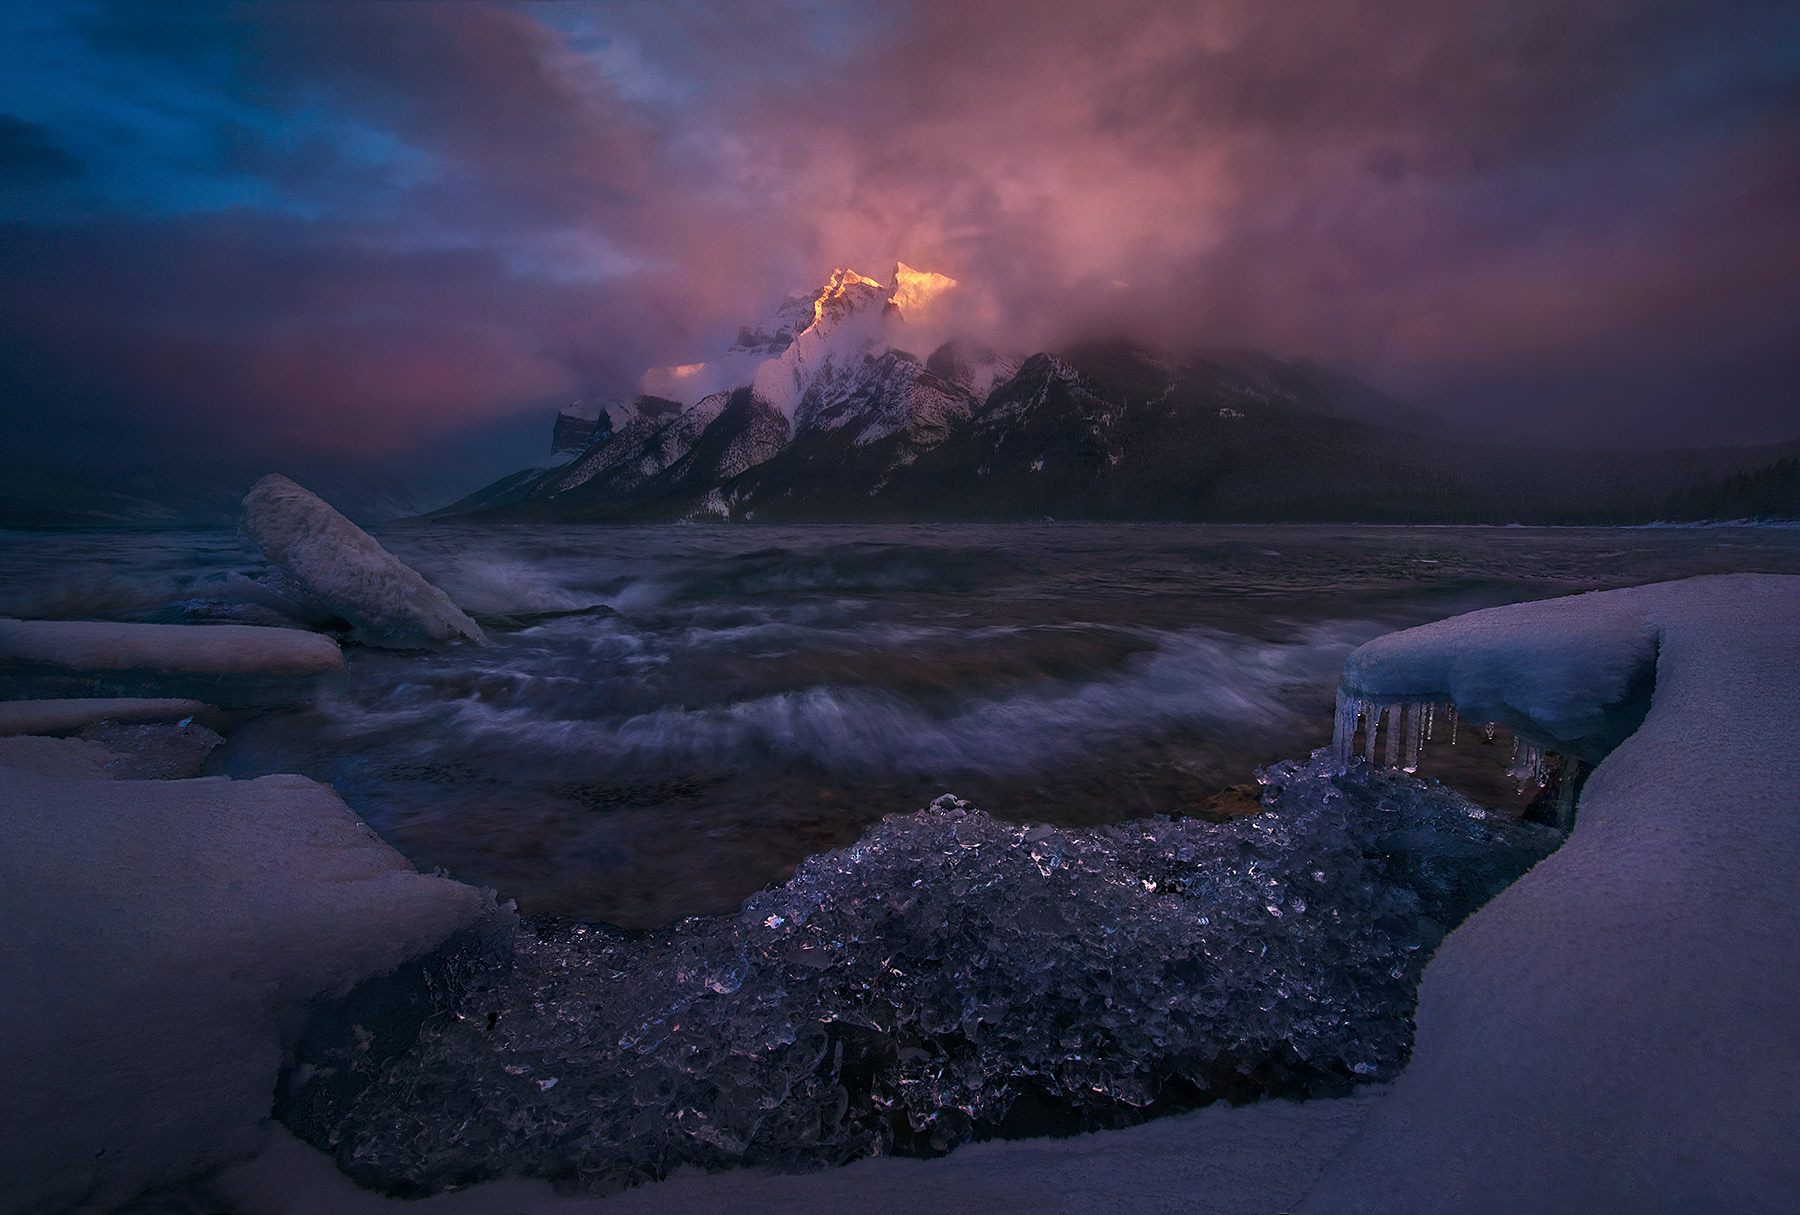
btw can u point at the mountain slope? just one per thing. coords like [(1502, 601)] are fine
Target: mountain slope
[(826, 413)]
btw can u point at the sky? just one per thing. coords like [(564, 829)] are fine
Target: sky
[(393, 229)]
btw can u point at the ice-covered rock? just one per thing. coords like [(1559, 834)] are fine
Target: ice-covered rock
[(161, 937), (1614, 1032), (948, 977), (230, 665), (386, 601)]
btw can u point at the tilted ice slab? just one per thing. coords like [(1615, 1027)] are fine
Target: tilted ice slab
[(1616, 1031), (386, 602), (160, 936)]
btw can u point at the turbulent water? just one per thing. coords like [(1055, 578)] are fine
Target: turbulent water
[(742, 697)]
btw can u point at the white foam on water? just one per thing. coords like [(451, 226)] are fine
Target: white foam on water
[(1195, 681)]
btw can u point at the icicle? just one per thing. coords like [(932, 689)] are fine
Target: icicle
[(1415, 734), (1343, 733), (1488, 728), (1371, 725), (1393, 736), (1430, 720), (1453, 716), (1565, 793), (1527, 765)]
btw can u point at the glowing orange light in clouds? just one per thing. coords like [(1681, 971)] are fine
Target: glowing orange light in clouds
[(915, 290)]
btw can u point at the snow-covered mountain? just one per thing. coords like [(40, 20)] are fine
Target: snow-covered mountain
[(836, 374)]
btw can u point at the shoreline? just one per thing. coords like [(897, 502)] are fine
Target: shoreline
[(1419, 1147)]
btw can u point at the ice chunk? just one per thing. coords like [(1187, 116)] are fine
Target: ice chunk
[(160, 937), (943, 975), (386, 602), (232, 665)]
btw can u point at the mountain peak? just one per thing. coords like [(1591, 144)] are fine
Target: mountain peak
[(849, 316), (845, 292)]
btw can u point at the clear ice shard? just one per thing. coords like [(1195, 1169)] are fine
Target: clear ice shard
[(903, 995)]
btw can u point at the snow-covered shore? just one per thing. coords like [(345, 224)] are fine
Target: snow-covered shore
[(1615, 1032), (1612, 1033)]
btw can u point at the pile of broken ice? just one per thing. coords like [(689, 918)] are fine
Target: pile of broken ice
[(928, 984)]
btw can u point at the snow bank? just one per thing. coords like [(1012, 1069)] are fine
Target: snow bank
[(160, 936), (1615, 1031), (386, 602), (232, 665), (65, 757), (63, 716)]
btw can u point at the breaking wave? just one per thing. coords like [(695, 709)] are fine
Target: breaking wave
[(1195, 681)]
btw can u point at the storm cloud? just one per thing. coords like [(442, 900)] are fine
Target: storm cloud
[(364, 227)]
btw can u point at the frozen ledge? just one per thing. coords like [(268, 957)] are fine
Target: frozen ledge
[(230, 665), (1614, 1032)]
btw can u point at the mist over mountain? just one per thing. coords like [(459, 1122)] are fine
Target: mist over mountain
[(864, 401)]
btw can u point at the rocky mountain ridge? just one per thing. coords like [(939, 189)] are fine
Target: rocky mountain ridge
[(855, 402)]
